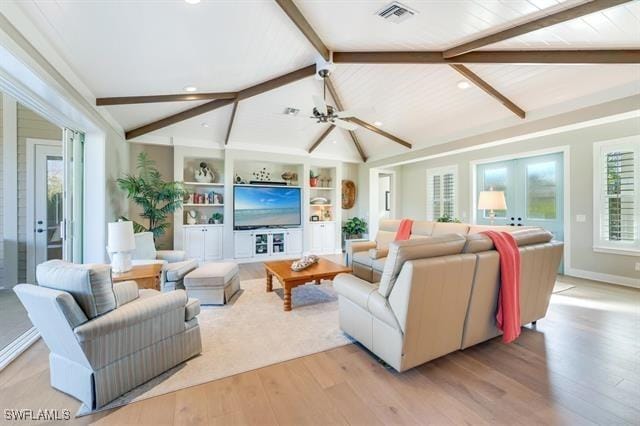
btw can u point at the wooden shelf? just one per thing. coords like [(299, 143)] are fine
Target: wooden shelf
[(201, 205), (203, 184)]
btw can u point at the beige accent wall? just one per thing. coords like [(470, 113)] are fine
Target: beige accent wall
[(163, 157), (413, 178)]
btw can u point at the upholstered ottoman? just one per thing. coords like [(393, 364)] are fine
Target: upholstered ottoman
[(213, 283)]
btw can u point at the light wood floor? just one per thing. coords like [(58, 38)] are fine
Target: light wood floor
[(14, 320), (579, 366)]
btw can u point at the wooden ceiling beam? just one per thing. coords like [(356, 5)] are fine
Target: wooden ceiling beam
[(257, 89), (381, 132), (233, 116), (618, 56), (296, 16), (128, 100), (336, 99), (533, 25), (473, 77), (321, 138)]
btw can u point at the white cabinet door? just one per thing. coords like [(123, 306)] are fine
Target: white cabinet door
[(243, 246), (293, 241), (316, 238), (194, 243), (212, 243), (328, 237)]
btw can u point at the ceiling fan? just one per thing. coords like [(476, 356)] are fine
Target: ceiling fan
[(324, 113)]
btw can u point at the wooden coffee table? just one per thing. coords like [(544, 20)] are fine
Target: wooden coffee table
[(281, 269), (146, 276)]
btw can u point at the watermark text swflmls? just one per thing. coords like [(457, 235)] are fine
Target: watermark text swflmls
[(42, 414)]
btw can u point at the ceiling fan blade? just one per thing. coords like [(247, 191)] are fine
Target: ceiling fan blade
[(345, 124), (356, 112), (320, 105)]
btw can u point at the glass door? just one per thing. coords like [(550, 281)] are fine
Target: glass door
[(533, 188), (277, 243)]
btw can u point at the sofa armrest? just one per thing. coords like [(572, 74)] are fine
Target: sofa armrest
[(125, 291), (192, 309), (356, 247), (131, 314), (171, 256), (378, 253), (355, 289)]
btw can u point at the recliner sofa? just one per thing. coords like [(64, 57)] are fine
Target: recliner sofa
[(367, 258), (107, 339), (439, 294)]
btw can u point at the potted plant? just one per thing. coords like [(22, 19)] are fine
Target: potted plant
[(157, 198), (217, 218), (313, 178), (354, 228)]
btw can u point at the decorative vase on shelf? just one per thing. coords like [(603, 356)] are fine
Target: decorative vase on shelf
[(204, 174), (192, 216)]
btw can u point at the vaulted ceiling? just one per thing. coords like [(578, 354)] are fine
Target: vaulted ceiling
[(149, 48)]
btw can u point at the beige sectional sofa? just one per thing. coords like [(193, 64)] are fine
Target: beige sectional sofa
[(439, 294), (367, 258)]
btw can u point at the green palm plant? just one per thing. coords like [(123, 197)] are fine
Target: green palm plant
[(157, 198)]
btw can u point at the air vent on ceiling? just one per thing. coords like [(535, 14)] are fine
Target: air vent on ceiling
[(396, 12)]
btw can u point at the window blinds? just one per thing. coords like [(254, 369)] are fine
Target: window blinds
[(441, 193)]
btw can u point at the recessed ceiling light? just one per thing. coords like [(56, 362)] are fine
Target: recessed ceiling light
[(291, 111), (192, 1), (377, 123), (334, 142), (463, 85), (190, 89), (205, 124)]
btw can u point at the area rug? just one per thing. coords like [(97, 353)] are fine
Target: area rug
[(250, 332)]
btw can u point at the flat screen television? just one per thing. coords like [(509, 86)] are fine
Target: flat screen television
[(266, 206)]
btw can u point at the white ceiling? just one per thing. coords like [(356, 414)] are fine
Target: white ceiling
[(129, 48)]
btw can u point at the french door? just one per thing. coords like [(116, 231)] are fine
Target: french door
[(533, 188)]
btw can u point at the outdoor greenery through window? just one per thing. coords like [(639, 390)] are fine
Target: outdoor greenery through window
[(541, 191), (617, 183)]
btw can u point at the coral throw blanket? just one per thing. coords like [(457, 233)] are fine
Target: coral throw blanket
[(404, 230), (508, 316)]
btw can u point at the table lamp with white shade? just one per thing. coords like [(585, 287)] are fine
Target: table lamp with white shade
[(492, 200), (120, 244)]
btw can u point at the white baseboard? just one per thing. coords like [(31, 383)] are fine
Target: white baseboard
[(15, 348), (607, 278)]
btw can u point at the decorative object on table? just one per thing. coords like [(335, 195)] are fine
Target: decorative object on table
[(157, 198), (204, 174), (492, 200), (319, 201), (448, 219), (120, 244), (238, 180), (304, 262), (262, 175), (313, 179), (217, 218), (348, 194), (217, 199), (192, 217), (315, 218), (354, 228)]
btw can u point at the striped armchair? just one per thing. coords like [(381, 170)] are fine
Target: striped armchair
[(107, 339)]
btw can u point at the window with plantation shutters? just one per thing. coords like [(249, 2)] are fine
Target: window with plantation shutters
[(616, 200), (442, 192)]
